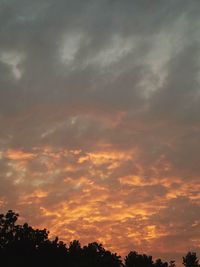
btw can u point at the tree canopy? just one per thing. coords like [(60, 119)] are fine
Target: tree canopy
[(22, 245)]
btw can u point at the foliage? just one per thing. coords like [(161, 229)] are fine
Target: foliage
[(22, 245), (191, 260)]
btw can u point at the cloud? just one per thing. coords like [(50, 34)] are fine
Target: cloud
[(99, 114)]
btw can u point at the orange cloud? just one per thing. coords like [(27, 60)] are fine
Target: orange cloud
[(91, 196), (19, 155)]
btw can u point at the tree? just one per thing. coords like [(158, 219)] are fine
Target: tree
[(137, 260), (172, 263), (191, 260), (7, 228), (159, 263), (22, 245), (95, 254)]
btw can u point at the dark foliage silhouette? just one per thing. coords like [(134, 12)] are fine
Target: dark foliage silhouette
[(191, 260), (22, 245), (136, 260), (172, 264), (142, 260), (159, 263)]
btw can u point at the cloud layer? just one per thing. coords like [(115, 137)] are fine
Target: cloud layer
[(100, 125)]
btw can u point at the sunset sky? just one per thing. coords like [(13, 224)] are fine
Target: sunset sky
[(100, 121)]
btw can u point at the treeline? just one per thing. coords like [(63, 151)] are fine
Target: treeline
[(22, 245)]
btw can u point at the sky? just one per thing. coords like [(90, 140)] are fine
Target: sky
[(100, 121)]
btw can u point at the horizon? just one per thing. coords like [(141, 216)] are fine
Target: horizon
[(34, 242)]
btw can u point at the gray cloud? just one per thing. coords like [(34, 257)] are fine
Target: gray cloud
[(100, 99)]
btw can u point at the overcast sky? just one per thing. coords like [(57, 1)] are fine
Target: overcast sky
[(100, 121)]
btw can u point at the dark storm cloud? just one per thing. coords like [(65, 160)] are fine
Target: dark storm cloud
[(37, 31)]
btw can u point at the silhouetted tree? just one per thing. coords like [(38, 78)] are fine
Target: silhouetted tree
[(21, 245), (24, 246), (159, 263), (7, 228), (137, 260), (190, 260), (75, 254), (96, 255), (172, 263)]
